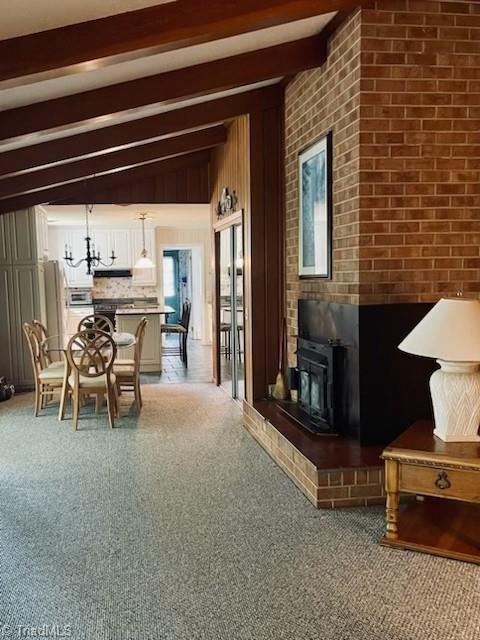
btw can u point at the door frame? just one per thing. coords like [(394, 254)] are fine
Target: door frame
[(200, 312), (173, 254), (233, 220)]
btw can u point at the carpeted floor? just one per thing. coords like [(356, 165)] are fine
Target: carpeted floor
[(177, 526)]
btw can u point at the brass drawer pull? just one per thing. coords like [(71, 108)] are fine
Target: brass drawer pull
[(442, 482)]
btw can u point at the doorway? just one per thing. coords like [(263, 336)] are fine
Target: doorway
[(172, 292), (183, 280), (230, 310)]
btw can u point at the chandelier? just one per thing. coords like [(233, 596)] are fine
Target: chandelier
[(92, 258)]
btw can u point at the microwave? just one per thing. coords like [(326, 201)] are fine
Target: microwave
[(79, 297)]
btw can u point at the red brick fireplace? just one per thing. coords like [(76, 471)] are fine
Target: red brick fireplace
[(400, 93)]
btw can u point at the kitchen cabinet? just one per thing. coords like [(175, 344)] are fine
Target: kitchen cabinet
[(74, 238), (120, 242), (127, 244), (41, 222), (21, 291), (23, 237), (7, 328), (151, 359), (28, 296), (5, 251), (78, 276)]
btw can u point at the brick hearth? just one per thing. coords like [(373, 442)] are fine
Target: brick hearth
[(330, 471)]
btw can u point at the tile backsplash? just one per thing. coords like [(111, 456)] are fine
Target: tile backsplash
[(121, 288)]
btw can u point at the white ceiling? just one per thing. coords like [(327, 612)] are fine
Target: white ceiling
[(181, 216), (20, 17)]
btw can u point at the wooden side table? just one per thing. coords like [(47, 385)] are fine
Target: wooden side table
[(445, 519)]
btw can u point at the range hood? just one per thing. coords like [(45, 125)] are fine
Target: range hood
[(112, 273)]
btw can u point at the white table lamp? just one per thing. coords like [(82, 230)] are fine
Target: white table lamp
[(450, 332)]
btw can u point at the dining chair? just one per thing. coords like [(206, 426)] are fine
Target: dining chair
[(44, 338), (48, 377), (181, 329), (96, 321), (91, 354), (127, 372)]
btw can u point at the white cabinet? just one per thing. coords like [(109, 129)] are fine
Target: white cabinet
[(127, 244), (78, 276), (74, 239), (152, 343), (42, 235), (102, 243), (21, 292), (8, 331), (5, 251), (121, 243), (118, 241), (22, 236)]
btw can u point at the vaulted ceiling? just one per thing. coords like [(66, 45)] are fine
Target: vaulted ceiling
[(109, 90)]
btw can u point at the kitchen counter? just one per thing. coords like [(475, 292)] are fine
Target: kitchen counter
[(127, 320), (145, 311), (125, 302)]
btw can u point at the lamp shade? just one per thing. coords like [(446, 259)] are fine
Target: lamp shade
[(144, 263), (450, 331)]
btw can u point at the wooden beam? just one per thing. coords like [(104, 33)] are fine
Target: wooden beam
[(84, 188), (218, 75), (59, 174), (96, 43), (130, 133)]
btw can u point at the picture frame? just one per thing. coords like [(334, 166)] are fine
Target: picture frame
[(315, 209)]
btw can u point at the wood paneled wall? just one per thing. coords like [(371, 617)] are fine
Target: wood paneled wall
[(186, 186), (230, 165), (251, 164)]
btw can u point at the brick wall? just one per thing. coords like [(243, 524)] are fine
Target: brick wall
[(327, 98), (420, 151), (401, 92)]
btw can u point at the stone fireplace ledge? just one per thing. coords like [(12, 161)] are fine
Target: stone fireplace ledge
[(331, 472)]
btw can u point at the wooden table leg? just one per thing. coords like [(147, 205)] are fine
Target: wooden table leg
[(391, 483)]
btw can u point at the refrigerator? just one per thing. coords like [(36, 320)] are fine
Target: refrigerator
[(56, 300)]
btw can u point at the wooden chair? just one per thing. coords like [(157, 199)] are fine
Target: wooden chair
[(90, 355), (127, 372), (44, 339), (182, 330), (97, 322), (48, 378)]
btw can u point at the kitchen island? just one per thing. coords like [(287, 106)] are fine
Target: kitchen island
[(127, 320)]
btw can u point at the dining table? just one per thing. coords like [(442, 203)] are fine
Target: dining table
[(56, 346)]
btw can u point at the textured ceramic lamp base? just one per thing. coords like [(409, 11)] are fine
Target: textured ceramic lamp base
[(455, 389)]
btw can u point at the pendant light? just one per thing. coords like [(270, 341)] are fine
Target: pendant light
[(144, 261)]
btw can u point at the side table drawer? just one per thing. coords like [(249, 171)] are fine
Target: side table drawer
[(435, 481)]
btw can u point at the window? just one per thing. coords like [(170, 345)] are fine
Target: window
[(168, 277)]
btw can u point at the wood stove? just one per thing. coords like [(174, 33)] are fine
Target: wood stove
[(318, 381)]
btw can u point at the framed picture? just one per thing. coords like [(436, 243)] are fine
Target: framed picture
[(315, 215)]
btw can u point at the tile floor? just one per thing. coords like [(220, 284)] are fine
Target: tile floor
[(199, 365)]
